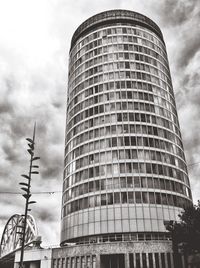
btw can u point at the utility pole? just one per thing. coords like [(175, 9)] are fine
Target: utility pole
[(26, 188)]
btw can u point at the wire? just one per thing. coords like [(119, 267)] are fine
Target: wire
[(19, 193), (193, 164), (57, 192), (106, 185)]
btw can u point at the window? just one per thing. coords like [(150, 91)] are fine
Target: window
[(124, 197), (145, 198), (137, 256), (131, 197), (150, 260), (117, 198), (136, 182), (151, 198), (103, 199), (131, 260), (138, 197), (91, 187), (110, 198), (163, 260), (91, 172), (158, 198), (91, 201), (157, 260), (144, 260)]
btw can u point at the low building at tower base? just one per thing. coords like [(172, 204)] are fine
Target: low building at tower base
[(115, 255), (123, 254)]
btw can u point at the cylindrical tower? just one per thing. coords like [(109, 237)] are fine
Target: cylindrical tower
[(125, 170)]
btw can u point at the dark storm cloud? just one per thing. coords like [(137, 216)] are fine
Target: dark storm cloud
[(177, 12), (9, 83), (11, 155), (189, 35), (181, 23), (193, 87), (52, 170), (182, 19), (5, 108), (26, 98), (57, 104), (189, 109), (20, 126), (46, 215)]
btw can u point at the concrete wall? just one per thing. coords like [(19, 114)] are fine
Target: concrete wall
[(112, 248), (90, 255), (32, 255)]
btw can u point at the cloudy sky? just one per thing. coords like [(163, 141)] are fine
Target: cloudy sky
[(34, 43)]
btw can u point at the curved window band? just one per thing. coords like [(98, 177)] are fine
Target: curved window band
[(125, 198)]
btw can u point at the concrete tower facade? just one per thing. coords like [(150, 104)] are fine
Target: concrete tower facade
[(125, 170)]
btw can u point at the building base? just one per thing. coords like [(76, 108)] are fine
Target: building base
[(148, 254), (139, 254)]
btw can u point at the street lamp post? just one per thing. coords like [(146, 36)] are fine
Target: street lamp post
[(26, 188)]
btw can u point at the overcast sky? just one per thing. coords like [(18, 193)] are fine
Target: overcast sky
[(34, 44)]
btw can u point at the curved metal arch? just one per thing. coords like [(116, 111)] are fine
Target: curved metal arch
[(11, 237)]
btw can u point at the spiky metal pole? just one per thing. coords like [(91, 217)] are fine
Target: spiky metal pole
[(26, 187)]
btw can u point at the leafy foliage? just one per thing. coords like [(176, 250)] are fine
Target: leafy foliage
[(187, 231)]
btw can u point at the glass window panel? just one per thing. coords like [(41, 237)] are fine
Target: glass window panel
[(131, 197), (163, 260), (97, 200), (143, 182), (103, 199), (157, 260), (91, 201), (138, 197), (136, 181), (150, 257), (158, 198), (117, 198), (137, 256), (110, 198), (129, 182), (145, 197), (124, 197), (144, 260), (131, 260), (103, 184), (151, 198)]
